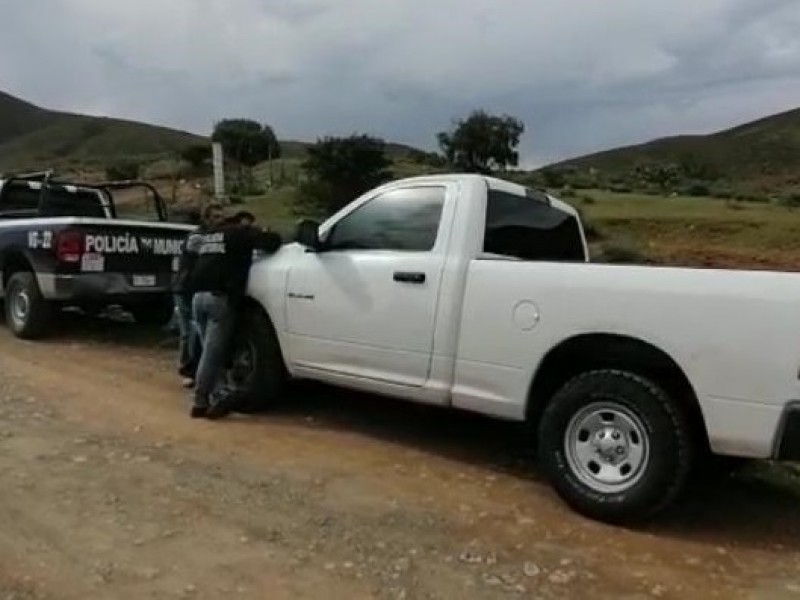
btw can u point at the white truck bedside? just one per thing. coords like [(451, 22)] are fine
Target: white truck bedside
[(474, 293)]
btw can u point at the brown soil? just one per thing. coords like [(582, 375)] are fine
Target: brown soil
[(111, 491)]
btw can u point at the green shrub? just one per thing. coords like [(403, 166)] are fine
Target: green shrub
[(590, 230), (751, 198), (698, 189), (123, 170), (621, 252), (789, 199), (733, 205), (582, 183), (722, 193), (568, 192), (620, 189), (553, 178)]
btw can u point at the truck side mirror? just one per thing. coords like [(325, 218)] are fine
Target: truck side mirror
[(307, 234)]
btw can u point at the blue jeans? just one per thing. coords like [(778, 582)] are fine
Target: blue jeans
[(214, 317), (189, 342)]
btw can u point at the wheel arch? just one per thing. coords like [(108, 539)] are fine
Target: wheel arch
[(13, 261), (250, 304), (596, 351)]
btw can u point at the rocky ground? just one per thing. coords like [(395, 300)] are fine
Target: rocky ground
[(109, 490)]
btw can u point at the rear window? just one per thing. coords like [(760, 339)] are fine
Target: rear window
[(529, 228), (136, 204), (20, 199), (59, 202)]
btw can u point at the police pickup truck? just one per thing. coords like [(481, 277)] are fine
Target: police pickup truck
[(87, 246)]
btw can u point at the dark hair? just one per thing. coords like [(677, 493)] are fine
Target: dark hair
[(214, 206), (189, 216), (243, 214), (193, 216)]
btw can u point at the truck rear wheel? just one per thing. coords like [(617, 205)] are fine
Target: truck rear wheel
[(153, 313), (257, 374), (28, 314), (615, 446)]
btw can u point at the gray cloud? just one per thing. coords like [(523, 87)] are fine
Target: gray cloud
[(583, 75)]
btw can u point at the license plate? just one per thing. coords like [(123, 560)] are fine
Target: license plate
[(93, 263), (144, 280)]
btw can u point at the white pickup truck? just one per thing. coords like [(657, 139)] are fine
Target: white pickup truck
[(477, 294)]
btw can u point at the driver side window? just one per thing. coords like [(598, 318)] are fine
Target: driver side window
[(405, 219)]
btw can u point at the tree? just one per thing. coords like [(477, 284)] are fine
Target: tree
[(246, 142), (196, 155), (123, 170), (482, 142), (338, 170), (553, 178), (664, 176), (694, 167), (426, 159)]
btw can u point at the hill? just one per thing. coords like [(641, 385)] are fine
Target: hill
[(34, 137), (762, 155)]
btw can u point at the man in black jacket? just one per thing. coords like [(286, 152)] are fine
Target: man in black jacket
[(219, 281), (189, 346)]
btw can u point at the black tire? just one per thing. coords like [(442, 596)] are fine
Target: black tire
[(264, 379), (711, 468), (153, 313), (625, 411), (28, 314)]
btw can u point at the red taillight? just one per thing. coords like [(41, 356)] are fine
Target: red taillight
[(69, 246)]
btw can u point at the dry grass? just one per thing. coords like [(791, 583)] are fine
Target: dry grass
[(700, 231)]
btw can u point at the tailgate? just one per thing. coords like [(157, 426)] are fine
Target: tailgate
[(145, 254)]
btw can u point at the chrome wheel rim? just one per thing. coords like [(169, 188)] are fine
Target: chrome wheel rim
[(20, 307), (243, 365), (607, 447)]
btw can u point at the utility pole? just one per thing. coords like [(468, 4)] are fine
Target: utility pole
[(219, 173), (269, 162)]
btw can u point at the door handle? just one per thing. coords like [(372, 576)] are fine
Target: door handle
[(409, 277)]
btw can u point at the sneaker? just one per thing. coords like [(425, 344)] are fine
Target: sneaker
[(218, 410), (199, 411), (221, 403)]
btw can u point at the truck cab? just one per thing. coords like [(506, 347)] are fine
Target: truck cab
[(391, 262)]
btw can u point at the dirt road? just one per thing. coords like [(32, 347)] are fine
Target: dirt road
[(109, 490)]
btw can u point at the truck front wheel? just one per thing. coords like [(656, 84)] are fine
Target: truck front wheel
[(615, 446), (28, 314), (257, 374)]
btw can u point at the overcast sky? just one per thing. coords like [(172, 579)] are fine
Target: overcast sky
[(583, 75)]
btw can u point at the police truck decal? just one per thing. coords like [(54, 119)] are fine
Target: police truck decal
[(212, 243), (128, 243), (40, 239)]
